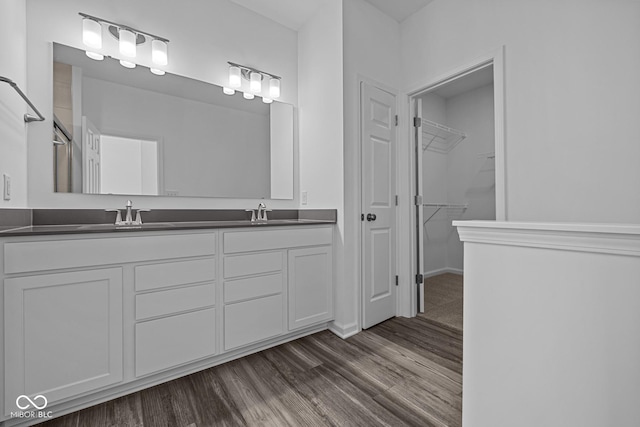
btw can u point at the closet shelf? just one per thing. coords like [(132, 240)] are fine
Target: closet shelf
[(440, 138), (448, 206)]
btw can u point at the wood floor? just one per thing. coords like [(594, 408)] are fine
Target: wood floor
[(443, 300), (400, 372)]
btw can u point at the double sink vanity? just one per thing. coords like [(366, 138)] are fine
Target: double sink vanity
[(95, 310)]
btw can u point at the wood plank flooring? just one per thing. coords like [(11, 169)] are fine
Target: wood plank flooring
[(402, 372), (443, 300)]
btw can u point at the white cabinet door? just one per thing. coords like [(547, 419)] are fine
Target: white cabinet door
[(310, 286), (63, 334)]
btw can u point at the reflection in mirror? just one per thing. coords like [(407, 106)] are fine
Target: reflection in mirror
[(127, 131)]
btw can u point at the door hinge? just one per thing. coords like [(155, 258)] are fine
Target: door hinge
[(396, 200), (419, 278), (396, 120), (361, 217), (417, 122), (418, 200), (397, 280)]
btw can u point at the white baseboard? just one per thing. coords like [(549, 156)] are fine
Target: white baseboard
[(432, 273), (344, 332)]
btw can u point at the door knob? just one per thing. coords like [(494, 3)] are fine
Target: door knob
[(371, 217)]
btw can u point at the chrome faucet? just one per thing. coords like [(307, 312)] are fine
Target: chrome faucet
[(262, 213), (128, 219)]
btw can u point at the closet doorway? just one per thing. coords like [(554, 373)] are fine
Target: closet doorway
[(457, 143)]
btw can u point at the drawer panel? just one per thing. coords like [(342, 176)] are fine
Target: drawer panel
[(245, 265), (172, 341), (260, 240), (252, 287), (20, 257), (252, 321), (174, 301), (154, 276)]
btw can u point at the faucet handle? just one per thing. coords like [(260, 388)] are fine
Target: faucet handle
[(118, 216), (264, 214), (138, 220), (253, 214)]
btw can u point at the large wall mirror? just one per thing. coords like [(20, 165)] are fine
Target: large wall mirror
[(128, 131)]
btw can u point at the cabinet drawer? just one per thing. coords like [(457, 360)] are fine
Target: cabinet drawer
[(154, 276), (261, 240), (246, 265), (172, 341), (57, 254), (251, 321), (174, 301), (252, 287)]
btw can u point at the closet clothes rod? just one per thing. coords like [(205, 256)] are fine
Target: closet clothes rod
[(27, 117)]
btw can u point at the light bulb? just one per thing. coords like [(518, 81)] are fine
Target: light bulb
[(94, 55), (235, 81), (267, 100), (256, 82), (159, 52), (248, 95), (274, 88), (127, 64), (92, 33), (157, 71), (128, 43), (228, 91)]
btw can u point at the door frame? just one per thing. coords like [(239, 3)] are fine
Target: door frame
[(409, 238), (360, 235)]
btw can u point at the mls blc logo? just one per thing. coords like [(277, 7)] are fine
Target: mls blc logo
[(31, 407), (31, 403)]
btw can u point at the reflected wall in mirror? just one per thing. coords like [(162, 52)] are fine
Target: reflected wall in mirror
[(127, 131)]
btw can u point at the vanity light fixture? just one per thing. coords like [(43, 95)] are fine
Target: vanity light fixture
[(247, 95), (254, 76), (228, 91), (128, 40), (267, 100)]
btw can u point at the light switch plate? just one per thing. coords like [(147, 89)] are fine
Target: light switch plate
[(303, 198), (7, 187)]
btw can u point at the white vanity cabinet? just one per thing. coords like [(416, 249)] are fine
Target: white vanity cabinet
[(91, 316), (63, 334), (286, 283)]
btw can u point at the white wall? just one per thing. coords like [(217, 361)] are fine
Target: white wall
[(204, 36), (572, 97), (320, 119), (551, 315), (371, 41), (209, 150), (13, 130)]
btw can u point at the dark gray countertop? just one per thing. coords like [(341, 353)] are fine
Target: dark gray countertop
[(83, 221)]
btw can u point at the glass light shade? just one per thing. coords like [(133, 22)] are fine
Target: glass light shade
[(228, 91), (94, 55), (256, 82), (127, 64), (274, 88), (235, 80), (92, 33), (159, 52), (157, 71), (248, 95), (128, 43), (267, 100)]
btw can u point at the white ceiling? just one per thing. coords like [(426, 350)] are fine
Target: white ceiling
[(295, 13), (399, 9), (290, 13)]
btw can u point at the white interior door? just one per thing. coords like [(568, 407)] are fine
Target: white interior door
[(90, 157), (378, 151), (419, 208)]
